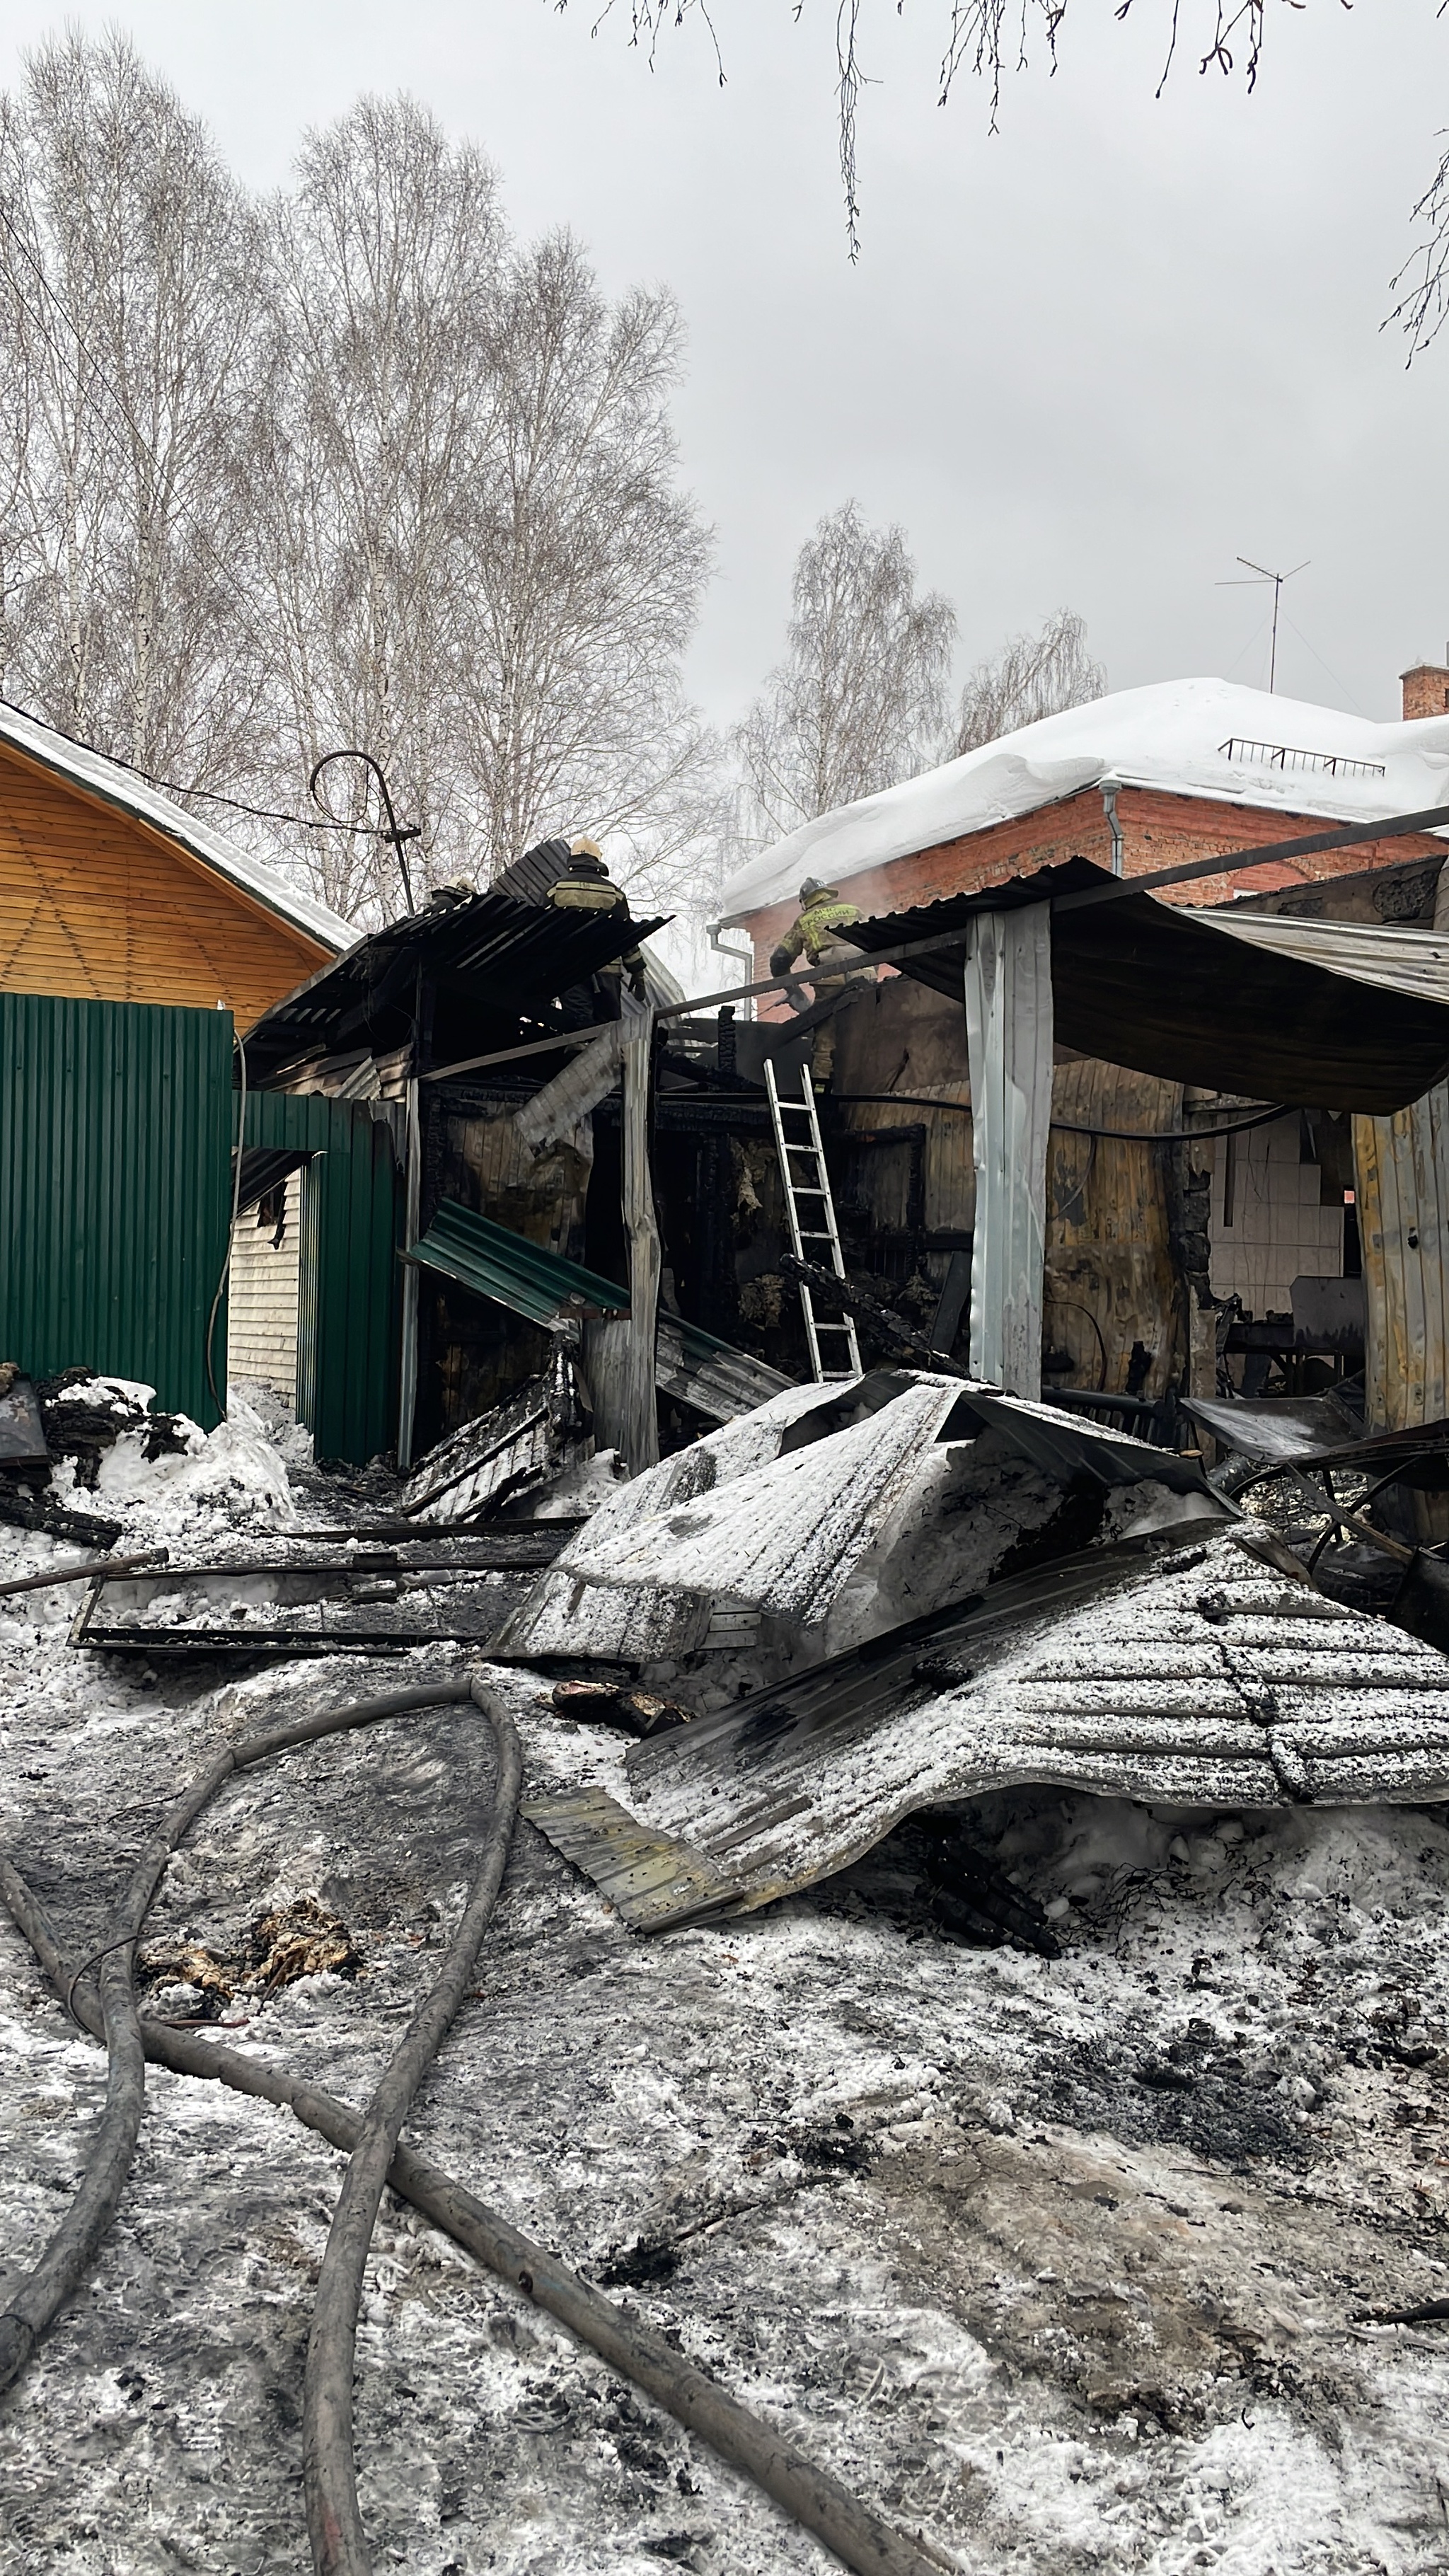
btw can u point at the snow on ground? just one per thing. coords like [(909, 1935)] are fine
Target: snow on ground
[(1063, 2262)]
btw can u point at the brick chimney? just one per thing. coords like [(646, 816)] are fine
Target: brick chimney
[(1426, 690)]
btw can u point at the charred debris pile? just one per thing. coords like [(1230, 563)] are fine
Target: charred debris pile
[(797, 1621)]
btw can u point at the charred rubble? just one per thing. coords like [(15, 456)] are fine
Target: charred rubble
[(733, 1662)]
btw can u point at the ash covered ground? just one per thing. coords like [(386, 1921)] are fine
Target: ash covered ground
[(1065, 2264)]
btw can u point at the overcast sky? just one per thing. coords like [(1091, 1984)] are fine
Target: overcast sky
[(1088, 361)]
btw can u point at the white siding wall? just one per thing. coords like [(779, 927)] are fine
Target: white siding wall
[(1279, 1232), (262, 1334)]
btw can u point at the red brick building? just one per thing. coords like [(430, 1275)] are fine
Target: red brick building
[(1186, 770)]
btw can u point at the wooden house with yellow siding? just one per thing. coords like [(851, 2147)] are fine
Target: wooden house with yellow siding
[(111, 892)]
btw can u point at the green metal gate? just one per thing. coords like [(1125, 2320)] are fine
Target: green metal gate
[(115, 1170), (348, 1319)]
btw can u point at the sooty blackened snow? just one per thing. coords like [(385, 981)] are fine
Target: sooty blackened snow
[(1069, 2264)]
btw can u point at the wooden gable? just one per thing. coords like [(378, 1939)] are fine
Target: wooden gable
[(100, 906)]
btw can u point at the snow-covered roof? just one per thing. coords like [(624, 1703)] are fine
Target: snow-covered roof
[(122, 788), (1174, 736)]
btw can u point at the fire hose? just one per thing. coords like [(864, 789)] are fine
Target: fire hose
[(860, 2538)]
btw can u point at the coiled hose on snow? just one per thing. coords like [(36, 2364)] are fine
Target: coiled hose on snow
[(860, 2538), (42, 2292)]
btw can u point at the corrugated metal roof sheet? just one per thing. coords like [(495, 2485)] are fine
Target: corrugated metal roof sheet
[(494, 1262), (1063, 1446), (511, 957), (1181, 1671), (738, 1527), (1158, 987)]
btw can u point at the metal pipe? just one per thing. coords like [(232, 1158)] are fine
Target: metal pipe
[(1111, 788)]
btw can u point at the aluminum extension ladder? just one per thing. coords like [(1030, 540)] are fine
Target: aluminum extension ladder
[(814, 1235)]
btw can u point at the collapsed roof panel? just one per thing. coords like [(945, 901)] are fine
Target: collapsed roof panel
[(738, 1527), (1174, 992), (1179, 1672), (503, 955), (1064, 1446), (493, 1261), (539, 1431)]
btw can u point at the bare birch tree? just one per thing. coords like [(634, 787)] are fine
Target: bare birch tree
[(1032, 676), (860, 699), (127, 351), (382, 266), (481, 567), (586, 564), (351, 469)]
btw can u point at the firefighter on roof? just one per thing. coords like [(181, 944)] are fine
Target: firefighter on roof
[(586, 886), (812, 935)]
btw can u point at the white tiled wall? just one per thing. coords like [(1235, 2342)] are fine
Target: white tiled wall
[(1280, 1232)]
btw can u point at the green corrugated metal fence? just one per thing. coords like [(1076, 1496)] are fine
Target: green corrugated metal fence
[(348, 1314), (115, 1167)]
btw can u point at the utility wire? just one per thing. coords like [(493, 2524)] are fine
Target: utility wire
[(170, 787)]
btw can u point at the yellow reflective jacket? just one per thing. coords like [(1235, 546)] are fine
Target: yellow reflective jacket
[(815, 928)]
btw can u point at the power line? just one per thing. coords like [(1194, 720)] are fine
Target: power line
[(170, 787)]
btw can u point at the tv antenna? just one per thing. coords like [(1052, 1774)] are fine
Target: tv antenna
[(1260, 574)]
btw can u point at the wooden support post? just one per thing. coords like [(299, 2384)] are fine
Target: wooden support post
[(1009, 1047), (640, 1443)]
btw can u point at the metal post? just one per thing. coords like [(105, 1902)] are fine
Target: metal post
[(1009, 1046), (412, 1212), (641, 1410)]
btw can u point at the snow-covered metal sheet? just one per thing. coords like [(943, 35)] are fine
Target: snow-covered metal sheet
[(1193, 1674), (1065, 1445), (732, 1530)]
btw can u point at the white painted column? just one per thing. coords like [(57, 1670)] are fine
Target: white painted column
[(1009, 1047)]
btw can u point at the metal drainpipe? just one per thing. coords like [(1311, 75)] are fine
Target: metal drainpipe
[(1111, 789), (738, 956)]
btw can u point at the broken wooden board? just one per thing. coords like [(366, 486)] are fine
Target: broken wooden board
[(369, 1603)]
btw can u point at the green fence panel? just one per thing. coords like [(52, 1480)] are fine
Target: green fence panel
[(115, 1174), (348, 1317)]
